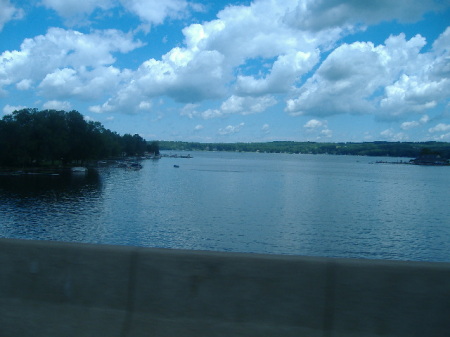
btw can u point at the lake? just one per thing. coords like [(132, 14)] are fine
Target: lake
[(316, 205)]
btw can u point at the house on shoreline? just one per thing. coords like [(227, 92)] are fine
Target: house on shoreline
[(430, 159)]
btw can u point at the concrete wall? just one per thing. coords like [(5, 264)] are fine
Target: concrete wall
[(57, 289)]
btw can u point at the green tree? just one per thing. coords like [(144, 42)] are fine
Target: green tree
[(153, 147), (32, 137)]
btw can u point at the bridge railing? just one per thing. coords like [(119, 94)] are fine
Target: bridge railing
[(67, 289)]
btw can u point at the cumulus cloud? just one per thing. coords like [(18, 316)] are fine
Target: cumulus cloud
[(391, 135), (313, 124), (231, 129), (155, 12), (409, 125), (441, 127), (199, 127), (78, 12), (247, 105), (319, 128), (390, 80), (413, 124), (233, 105), (317, 15), (212, 64), (75, 64), (9, 12), (7, 109), (57, 105), (76, 8), (205, 66), (25, 84), (284, 72)]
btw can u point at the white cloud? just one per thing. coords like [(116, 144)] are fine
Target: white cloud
[(411, 94), (317, 15), (128, 100), (77, 11), (336, 86), (327, 133), (320, 128), (391, 135), (180, 76), (353, 77), (285, 71), (409, 125), (25, 84), (57, 105), (9, 12), (265, 128), (444, 137), (149, 12), (61, 48), (441, 127), (204, 68), (67, 63), (145, 105), (7, 109), (155, 12), (424, 119), (199, 127), (215, 61), (413, 124), (247, 105), (233, 105), (231, 129), (313, 124), (67, 8)]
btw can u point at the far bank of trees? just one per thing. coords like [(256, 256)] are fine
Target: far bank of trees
[(380, 148), (29, 137)]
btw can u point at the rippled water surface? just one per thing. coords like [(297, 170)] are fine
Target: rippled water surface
[(339, 206)]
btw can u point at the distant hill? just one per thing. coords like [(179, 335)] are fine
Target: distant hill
[(378, 148)]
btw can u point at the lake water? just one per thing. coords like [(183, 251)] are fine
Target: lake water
[(318, 205)]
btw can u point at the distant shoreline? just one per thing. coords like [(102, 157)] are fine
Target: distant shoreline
[(373, 149)]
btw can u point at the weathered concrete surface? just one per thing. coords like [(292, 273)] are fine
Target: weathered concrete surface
[(60, 289)]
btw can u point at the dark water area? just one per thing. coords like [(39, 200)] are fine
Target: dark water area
[(337, 206)]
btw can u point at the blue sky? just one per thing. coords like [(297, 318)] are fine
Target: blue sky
[(229, 71)]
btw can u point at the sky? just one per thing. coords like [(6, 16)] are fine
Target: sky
[(234, 71)]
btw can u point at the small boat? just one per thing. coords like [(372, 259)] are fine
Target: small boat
[(79, 169), (135, 166), (176, 166)]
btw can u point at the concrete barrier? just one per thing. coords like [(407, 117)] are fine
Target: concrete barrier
[(56, 289)]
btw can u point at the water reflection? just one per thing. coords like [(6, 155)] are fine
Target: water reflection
[(49, 185), (53, 207)]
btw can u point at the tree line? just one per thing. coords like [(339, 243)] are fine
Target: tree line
[(29, 137), (377, 148)]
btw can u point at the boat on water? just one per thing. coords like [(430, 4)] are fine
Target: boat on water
[(129, 165), (79, 169), (176, 166), (134, 166)]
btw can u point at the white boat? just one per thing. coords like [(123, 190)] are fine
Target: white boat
[(79, 169), (134, 166)]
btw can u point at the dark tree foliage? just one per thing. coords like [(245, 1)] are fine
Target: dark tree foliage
[(153, 147), (133, 145), (30, 137)]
